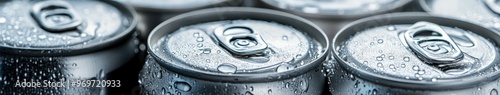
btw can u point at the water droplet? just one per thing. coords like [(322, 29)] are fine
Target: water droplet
[(372, 43), (83, 35), (416, 68), (380, 41), (406, 59), (391, 57), (351, 76), (380, 51), (494, 92), (227, 68), (287, 84), (284, 37), (391, 28), (304, 85), (433, 79), (200, 45), (365, 62), (379, 64), (206, 51), (379, 58), (403, 65), (196, 34), (101, 74), (392, 67), (163, 91), (421, 72), (3, 20), (374, 92), (74, 64), (182, 86), (159, 74), (269, 91), (199, 39), (42, 36)]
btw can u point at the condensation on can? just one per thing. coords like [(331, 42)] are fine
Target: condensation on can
[(332, 15), (481, 12), (153, 12), (64, 41), (235, 51), (414, 53)]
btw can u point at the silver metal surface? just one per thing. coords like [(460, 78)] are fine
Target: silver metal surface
[(332, 15), (336, 8), (189, 53), (373, 56), (97, 49), (153, 12), (481, 12), (102, 25)]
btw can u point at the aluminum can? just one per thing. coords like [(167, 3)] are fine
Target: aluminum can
[(482, 12), (235, 50), (153, 12), (67, 47), (414, 54), (332, 15)]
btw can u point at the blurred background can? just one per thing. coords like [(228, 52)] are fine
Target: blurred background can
[(414, 54), (481, 12), (233, 50), (153, 12), (67, 41), (332, 15)]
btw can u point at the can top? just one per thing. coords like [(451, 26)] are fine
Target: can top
[(238, 44), (482, 12), (172, 5), (62, 27), (418, 51), (337, 8)]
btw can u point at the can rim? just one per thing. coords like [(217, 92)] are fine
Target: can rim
[(80, 49), (218, 14), (442, 84), (399, 4)]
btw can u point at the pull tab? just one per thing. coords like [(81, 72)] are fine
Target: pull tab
[(55, 16), (432, 44), (240, 39)]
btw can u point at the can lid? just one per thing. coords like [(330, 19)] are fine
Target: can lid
[(482, 12), (418, 51), (62, 27), (173, 5), (337, 8), (238, 44)]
